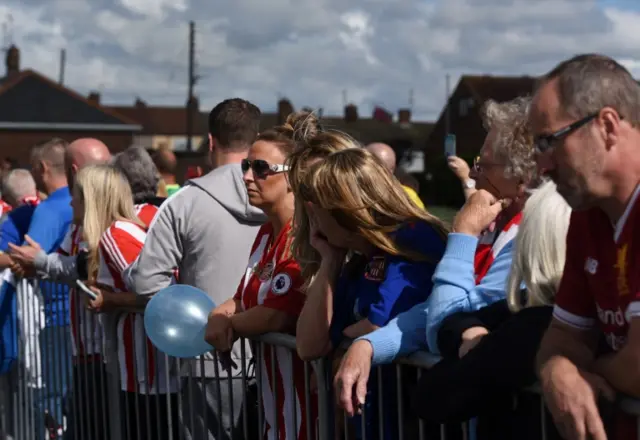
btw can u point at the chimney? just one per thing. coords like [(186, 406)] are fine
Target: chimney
[(94, 97), (351, 113), (12, 62), (284, 109), (139, 103), (404, 116)]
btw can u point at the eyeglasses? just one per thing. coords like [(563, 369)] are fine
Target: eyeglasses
[(544, 143), (479, 165), (262, 168)]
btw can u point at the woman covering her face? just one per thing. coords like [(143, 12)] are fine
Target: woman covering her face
[(378, 252)]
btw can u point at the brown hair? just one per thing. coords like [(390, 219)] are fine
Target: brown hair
[(586, 83), (234, 124), (318, 147)]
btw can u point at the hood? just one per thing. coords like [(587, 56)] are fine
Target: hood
[(225, 185)]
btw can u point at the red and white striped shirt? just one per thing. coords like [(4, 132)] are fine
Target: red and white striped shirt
[(143, 369), (273, 280), (5, 208), (146, 212), (86, 328), (490, 246)]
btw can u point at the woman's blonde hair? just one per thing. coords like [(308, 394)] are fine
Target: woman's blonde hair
[(107, 198), (313, 146), (364, 198), (540, 249)]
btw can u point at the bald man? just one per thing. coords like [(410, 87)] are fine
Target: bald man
[(82, 152), (387, 156)]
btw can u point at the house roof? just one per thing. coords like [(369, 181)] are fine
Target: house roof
[(31, 101), (498, 88), (481, 89), (157, 120)]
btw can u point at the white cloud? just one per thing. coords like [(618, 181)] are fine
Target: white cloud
[(311, 50)]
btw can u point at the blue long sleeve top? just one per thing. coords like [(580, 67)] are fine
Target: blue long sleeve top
[(454, 290)]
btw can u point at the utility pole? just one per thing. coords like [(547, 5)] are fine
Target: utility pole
[(63, 60), (448, 111), (191, 83)]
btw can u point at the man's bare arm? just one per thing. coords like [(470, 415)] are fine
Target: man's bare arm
[(622, 369), (570, 343)]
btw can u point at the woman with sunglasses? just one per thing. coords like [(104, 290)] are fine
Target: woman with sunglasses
[(269, 297)]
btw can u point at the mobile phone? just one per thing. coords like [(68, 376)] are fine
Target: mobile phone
[(86, 290)]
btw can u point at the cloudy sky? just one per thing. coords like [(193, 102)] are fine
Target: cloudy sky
[(311, 50)]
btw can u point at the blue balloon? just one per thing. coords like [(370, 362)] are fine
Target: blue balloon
[(175, 320)]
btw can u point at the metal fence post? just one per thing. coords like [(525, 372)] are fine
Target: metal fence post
[(325, 399)]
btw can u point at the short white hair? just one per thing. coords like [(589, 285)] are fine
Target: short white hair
[(540, 249), (17, 185)]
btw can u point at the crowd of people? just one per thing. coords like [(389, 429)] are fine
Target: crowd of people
[(300, 230)]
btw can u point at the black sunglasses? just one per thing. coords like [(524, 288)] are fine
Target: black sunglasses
[(544, 143), (262, 168)]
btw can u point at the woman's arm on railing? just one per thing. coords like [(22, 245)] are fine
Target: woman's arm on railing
[(259, 320), (312, 333)]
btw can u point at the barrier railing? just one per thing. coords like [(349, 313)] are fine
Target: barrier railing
[(86, 386)]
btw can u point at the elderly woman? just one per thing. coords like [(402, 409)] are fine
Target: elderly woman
[(474, 269), (480, 379)]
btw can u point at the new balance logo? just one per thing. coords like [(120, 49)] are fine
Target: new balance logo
[(591, 266)]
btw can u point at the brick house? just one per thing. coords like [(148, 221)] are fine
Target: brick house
[(33, 108), (464, 107), (404, 135), (163, 126)]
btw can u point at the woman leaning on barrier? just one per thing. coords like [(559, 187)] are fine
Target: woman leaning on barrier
[(269, 297), (377, 253), (480, 377), (114, 236)]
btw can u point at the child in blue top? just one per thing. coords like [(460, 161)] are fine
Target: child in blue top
[(357, 208)]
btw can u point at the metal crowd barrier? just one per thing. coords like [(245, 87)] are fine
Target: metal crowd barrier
[(52, 394)]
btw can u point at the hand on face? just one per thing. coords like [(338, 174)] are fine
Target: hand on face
[(478, 214), (317, 239)]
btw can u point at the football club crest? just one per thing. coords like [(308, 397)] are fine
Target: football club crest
[(281, 284), (621, 268), (265, 272), (375, 269)]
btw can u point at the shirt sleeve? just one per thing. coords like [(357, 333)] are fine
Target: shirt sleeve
[(67, 243), (162, 253), (119, 249), (285, 292), (9, 234), (455, 289), (574, 306), (406, 284), (46, 228)]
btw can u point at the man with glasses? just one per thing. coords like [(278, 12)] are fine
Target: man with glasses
[(205, 231), (584, 118)]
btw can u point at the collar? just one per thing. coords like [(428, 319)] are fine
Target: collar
[(59, 193), (625, 215)]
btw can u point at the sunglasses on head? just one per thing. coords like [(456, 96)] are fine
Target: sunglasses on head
[(262, 168)]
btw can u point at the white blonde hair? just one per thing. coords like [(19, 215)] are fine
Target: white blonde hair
[(17, 185), (540, 249), (107, 198)]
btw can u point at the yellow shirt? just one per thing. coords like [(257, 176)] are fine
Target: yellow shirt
[(413, 196)]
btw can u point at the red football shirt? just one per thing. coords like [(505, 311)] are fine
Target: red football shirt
[(273, 280), (601, 281)]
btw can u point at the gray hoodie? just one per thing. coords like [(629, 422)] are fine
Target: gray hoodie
[(205, 230)]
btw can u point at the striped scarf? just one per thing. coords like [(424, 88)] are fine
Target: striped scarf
[(490, 245)]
